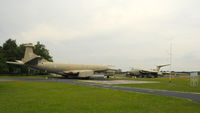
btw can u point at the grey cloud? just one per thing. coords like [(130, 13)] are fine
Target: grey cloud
[(125, 33)]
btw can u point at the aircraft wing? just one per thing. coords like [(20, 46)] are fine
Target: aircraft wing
[(79, 73), (148, 71), (86, 73), (34, 60)]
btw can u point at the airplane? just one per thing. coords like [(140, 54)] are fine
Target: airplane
[(67, 70), (147, 73)]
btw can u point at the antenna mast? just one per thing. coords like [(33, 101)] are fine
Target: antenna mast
[(170, 61)]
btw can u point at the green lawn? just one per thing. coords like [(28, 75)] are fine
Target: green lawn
[(23, 76), (45, 97), (176, 84)]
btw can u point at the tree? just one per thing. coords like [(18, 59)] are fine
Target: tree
[(21, 51), (11, 53), (3, 66), (42, 51), (10, 49)]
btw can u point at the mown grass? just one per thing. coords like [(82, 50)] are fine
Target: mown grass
[(45, 97), (24, 76), (176, 84)]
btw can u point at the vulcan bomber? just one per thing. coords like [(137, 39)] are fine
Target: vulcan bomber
[(67, 70)]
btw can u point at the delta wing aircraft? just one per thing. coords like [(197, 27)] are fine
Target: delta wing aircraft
[(67, 70), (147, 73)]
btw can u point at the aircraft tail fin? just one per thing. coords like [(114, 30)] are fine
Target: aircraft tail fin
[(160, 66), (29, 55)]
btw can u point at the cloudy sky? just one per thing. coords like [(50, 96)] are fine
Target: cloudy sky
[(123, 33)]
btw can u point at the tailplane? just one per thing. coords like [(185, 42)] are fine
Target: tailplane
[(29, 55), (160, 66)]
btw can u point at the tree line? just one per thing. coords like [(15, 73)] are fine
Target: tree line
[(10, 51)]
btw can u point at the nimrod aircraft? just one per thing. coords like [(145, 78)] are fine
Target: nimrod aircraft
[(147, 73), (67, 70)]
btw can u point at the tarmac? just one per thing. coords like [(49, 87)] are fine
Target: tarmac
[(186, 95)]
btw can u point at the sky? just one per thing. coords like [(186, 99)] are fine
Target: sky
[(121, 33)]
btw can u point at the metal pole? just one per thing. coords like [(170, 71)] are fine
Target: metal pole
[(170, 78)]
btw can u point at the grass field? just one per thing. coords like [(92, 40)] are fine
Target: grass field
[(45, 97), (23, 76), (176, 84)]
